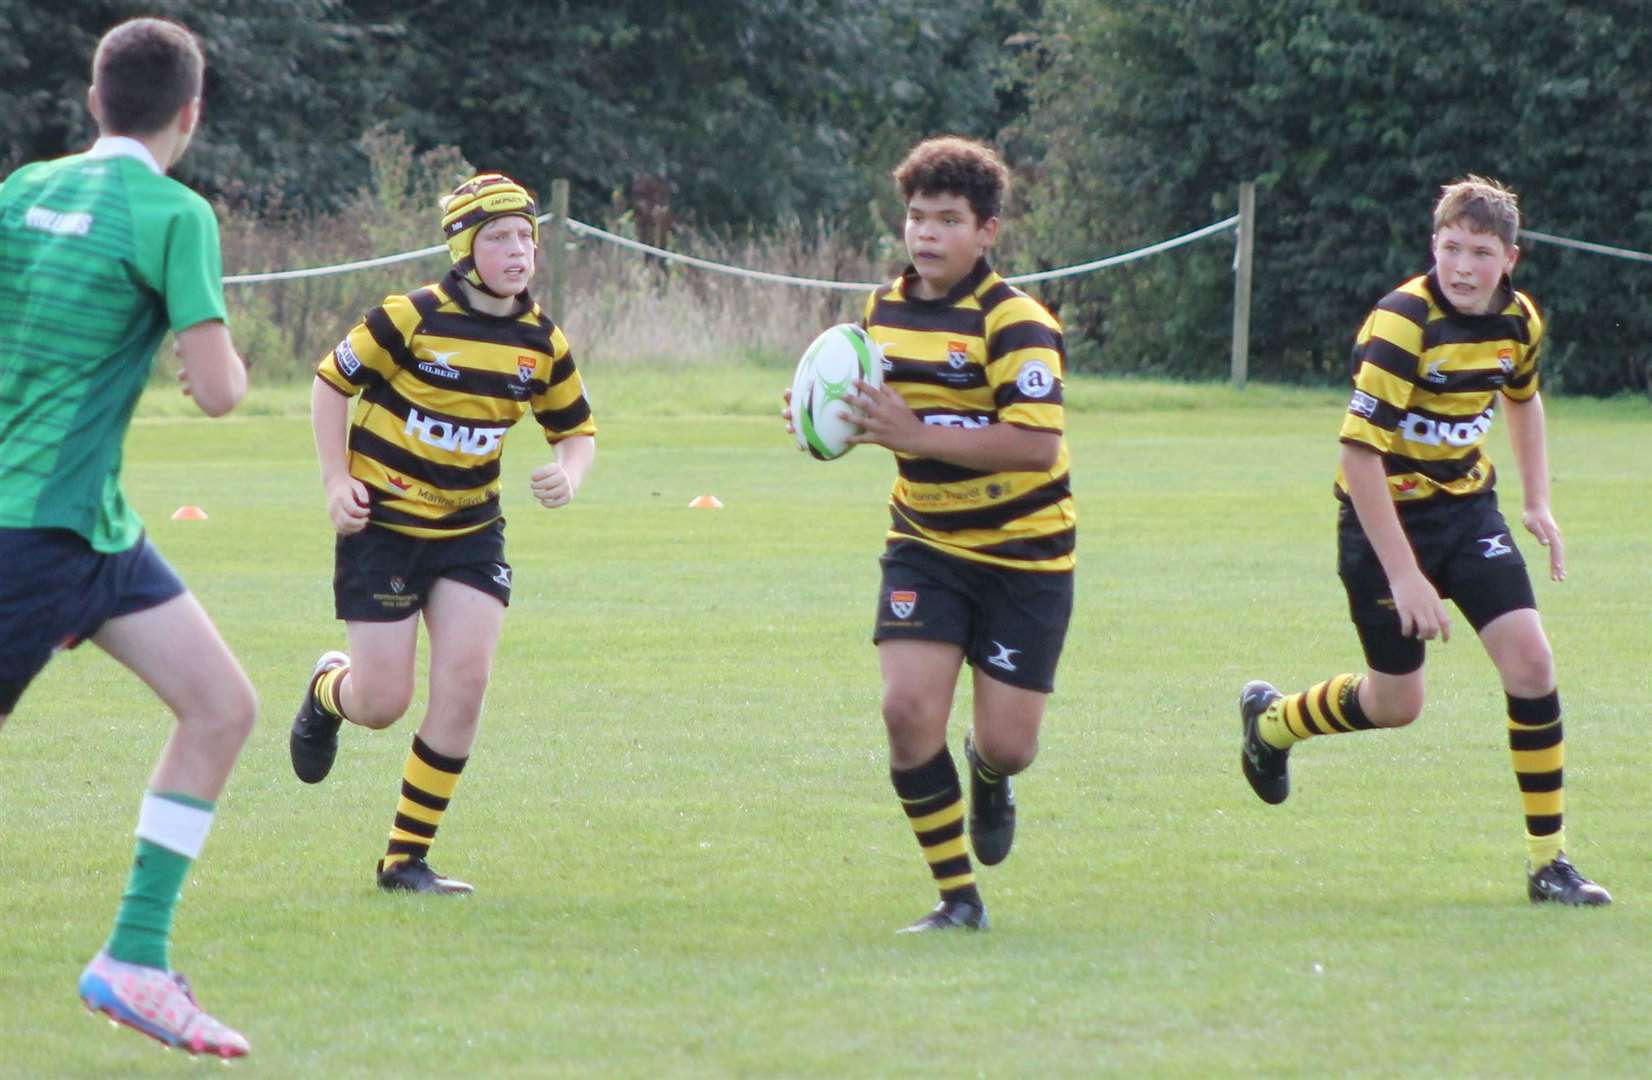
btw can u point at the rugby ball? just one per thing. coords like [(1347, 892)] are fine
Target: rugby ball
[(825, 376)]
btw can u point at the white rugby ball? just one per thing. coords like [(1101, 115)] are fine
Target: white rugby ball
[(826, 375)]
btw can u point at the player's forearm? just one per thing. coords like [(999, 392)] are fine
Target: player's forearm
[(213, 372), (330, 421), (1367, 483), (1528, 437), (575, 455), (994, 448)]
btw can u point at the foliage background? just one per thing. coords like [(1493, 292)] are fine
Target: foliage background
[(1127, 121)]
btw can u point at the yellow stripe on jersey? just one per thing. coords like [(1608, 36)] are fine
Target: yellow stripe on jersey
[(987, 353), (1426, 383), (439, 385)]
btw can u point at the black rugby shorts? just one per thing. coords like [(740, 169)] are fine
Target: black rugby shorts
[(1011, 624), (1464, 548), (380, 575)]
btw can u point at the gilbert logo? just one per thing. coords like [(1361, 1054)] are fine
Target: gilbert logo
[(903, 602), (1004, 657), (1494, 546), (438, 365)]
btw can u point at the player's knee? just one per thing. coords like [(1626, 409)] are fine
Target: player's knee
[(1530, 673), (1395, 709), (379, 706), (908, 719), (1006, 755)]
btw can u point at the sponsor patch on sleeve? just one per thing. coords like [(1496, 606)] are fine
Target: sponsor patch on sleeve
[(348, 361), (1362, 404), (1035, 380)]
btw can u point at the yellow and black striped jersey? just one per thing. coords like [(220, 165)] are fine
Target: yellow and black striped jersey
[(986, 353), (1426, 380), (440, 384)]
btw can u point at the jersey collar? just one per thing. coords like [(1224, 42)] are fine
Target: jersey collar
[(125, 146)]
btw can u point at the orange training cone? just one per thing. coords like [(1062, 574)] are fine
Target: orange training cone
[(705, 502), (189, 513)]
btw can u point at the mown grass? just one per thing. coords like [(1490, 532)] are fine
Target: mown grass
[(688, 858)]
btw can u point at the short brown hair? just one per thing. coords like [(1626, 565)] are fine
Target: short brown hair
[(1482, 205), (145, 70), (953, 165)]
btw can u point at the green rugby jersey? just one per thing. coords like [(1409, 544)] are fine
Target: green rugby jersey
[(100, 254), (987, 353), (1426, 382)]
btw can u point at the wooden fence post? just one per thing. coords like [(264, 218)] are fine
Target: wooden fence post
[(553, 248), (1241, 283)]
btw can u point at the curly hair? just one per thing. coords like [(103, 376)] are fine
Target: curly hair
[(1480, 204), (953, 165)]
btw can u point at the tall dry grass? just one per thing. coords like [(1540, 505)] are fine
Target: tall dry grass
[(623, 308)]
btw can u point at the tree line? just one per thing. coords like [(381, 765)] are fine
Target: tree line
[(1126, 121)]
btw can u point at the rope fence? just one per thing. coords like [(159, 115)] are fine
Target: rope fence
[(580, 228), (1243, 224)]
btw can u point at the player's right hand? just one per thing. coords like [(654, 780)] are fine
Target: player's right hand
[(786, 411), (1422, 613), (347, 505)]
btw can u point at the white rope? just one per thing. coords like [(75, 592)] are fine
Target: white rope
[(579, 228), (1139, 253), (340, 268), (582, 229), (862, 286), (1584, 245)]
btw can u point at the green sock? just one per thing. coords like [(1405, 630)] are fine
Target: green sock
[(143, 923)]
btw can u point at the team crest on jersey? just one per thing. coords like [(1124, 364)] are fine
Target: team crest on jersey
[(902, 602), (1505, 361), (397, 584), (524, 367), (1035, 380), (957, 353)]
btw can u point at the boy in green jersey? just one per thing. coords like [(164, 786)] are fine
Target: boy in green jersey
[(100, 255)]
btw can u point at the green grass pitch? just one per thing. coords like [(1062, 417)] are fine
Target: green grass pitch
[(688, 858)]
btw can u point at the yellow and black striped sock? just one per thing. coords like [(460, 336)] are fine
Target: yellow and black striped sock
[(428, 782), (1327, 708), (934, 804), (327, 688), (1538, 749)]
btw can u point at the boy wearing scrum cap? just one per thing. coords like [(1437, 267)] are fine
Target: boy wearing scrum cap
[(412, 483)]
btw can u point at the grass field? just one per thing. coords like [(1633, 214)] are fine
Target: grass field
[(688, 858)]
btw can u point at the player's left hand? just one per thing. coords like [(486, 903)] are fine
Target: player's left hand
[(551, 486), (1540, 523), (885, 418)]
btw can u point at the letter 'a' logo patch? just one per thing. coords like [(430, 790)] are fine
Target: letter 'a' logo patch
[(903, 602)]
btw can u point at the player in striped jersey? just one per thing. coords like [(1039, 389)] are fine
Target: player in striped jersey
[(978, 560), (412, 483), (1419, 521), (101, 253)]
